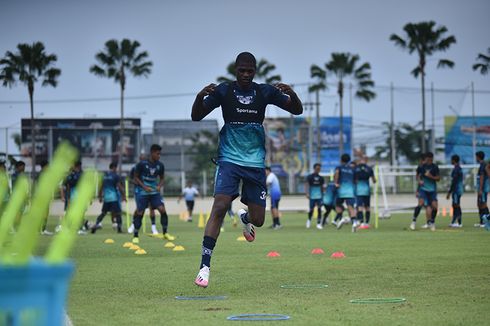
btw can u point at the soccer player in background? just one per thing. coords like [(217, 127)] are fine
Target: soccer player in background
[(71, 183), (314, 192), (456, 190), (420, 201), (44, 231), (149, 175), (344, 179), (275, 193), (329, 200), (482, 187), (137, 191), (363, 173), (428, 189), (189, 193), (241, 152), (110, 194)]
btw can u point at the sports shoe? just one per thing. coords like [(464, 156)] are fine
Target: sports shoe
[(277, 227), (82, 232), (114, 226), (135, 240), (131, 228), (57, 228), (308, 224), (486, 219), (342, 222), (432, 226), (355, 226), (334, 223), (319, 226), (168, 236), (154, 229), (425, 226), (248, 229), (202, 278), (478, 225), (46, 232), (189, 219), (412, 226)]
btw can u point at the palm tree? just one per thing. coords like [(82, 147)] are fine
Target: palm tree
[(264, 69), (484, 63), (344, 66), (424, 38), (116, 61), (30, 64)]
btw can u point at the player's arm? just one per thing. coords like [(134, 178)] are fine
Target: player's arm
[(162, 179), (199, 109), (373, 177), (138, 181), (293, 104), (452, 187), (307, 188), (101, 191), (121, 190), (336, 178)]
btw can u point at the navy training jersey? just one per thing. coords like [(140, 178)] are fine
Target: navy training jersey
[(110, 189), (362, 174), (346, 181), (457, 180), (72, 181), (315, 181), (482, 172), (429, 184), (137, 188), (149, 172), (242, 138)]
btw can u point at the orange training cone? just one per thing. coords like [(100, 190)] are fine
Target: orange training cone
[(273, 254), (338, 254), (317, 251)]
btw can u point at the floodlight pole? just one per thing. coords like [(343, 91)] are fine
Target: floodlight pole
[(392, 127), (473, 142)]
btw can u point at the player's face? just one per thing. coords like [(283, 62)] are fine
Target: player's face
[(155, 156), (318, 168), (245, 73)]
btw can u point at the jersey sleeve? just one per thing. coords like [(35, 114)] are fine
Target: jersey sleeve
[(435, 171), (162, 170), (138, 169), (273, 95), (213, 100)]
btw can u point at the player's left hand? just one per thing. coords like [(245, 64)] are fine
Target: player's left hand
[(448, 195), (286, 89)]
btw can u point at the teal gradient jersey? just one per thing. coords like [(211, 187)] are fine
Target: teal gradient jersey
[(346, 181), (429, 184), (315, 182), (242, 138), (362, 174), (149, 173), (110, 184)]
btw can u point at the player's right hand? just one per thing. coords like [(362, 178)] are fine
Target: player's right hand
[(448, 194), (207, 90)]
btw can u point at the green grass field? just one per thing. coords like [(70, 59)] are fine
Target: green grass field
[(444, 275)]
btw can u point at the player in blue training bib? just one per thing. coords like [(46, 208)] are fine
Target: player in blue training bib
[(110, 194), (329, 201), (482, 188), (71, 183), (275, 193), (363, 173), (241, 150), (149, 176), (344, 179), (314, 192), (456, 191)]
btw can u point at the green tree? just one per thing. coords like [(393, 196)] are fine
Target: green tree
[(264, 73), (407, 140), (483, 62), (116, 61), (344, 66), (426, 39), (29, 65), (203, 148), (17, 140)]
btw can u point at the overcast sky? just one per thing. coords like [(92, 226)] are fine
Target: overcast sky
[(191, 43)]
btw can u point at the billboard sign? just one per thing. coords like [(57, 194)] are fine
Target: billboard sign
[(459, 131)]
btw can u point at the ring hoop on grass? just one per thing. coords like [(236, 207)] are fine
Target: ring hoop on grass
[(378, 300), (304, 286), (258, 317), (216, 297)]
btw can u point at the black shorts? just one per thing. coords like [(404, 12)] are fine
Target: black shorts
[(189, 204)]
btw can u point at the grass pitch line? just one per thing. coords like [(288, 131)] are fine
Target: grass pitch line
[(378, 300), (304, 286), (215, 297), (258, 317)]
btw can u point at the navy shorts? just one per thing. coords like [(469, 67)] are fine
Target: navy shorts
[(148, 201), (483, 198), (428, 196), (189, 204), (113, 206), (348, 201), (315, 202), (275, 201), (363, 201), (228, 177), (456, 198)]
